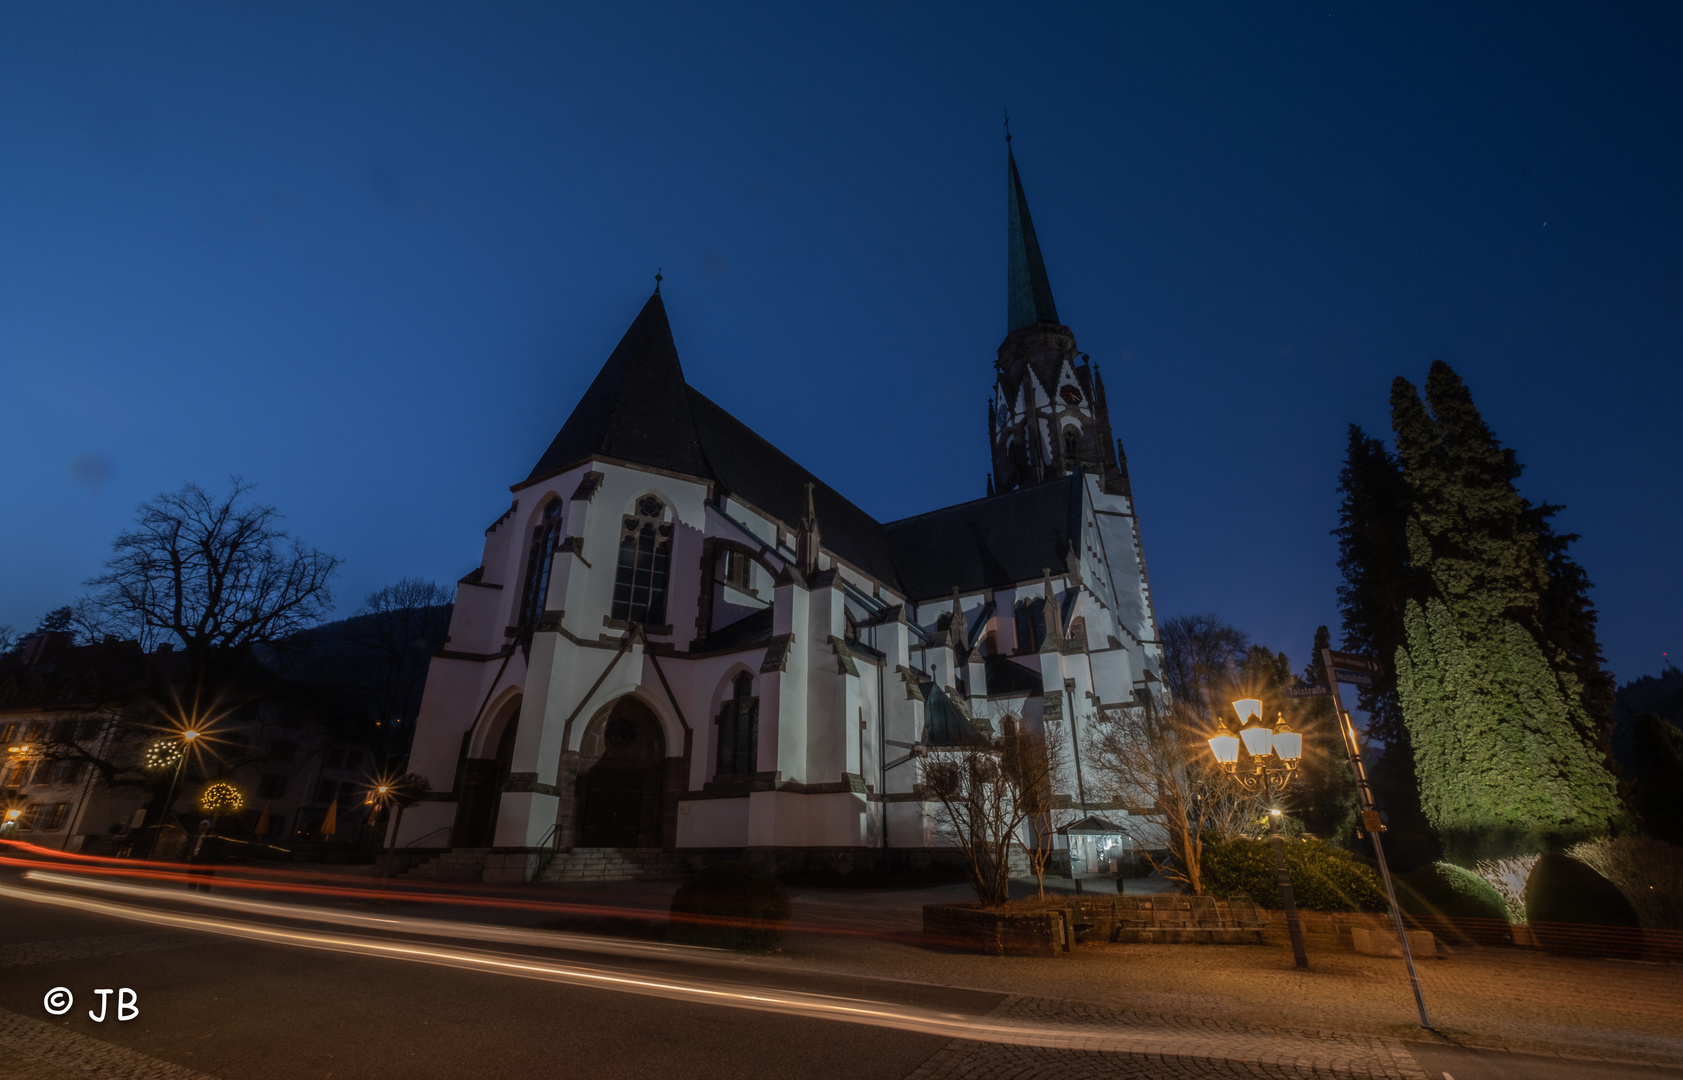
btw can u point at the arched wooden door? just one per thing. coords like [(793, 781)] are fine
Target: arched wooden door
[(482, 789), (619, 797)]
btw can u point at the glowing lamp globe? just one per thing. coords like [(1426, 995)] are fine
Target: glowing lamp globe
[(1287, 743), (1225, 746), (1249, 710)]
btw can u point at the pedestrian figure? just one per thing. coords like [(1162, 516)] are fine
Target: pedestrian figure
[(202, 855)]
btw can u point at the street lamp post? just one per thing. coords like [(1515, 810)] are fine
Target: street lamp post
[(187, 739), (1271, 761)]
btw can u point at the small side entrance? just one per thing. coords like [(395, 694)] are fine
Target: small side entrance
[(619, 797)]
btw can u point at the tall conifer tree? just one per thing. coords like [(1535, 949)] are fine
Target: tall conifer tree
[(1373, 556), (1508, 757)]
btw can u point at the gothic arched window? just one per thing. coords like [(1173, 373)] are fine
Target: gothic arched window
[(645, 553), (1072, 444), (546, 536), (739, 730)]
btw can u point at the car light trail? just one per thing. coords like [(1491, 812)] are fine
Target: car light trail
[(692, 991), (505, 935)]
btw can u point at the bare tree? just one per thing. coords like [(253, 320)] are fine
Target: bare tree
[(984, 793), (397, 628), (215, 577), (1154, 753), (1044, 756)]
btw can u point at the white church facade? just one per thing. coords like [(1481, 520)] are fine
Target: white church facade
[(679, 639)]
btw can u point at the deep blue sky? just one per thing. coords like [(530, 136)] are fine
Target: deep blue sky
[(368, 257)]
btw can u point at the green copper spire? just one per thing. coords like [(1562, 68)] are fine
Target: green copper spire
[(1029, 294)]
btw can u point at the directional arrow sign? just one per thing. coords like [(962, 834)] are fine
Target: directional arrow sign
[(1354, 662), (1310, 690)]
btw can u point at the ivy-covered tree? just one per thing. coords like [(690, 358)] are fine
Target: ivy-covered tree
[(1507, 755)]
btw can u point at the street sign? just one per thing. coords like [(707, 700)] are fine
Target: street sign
[(1371, 821), (1309, 690), (1354, 662), (1352, 678)]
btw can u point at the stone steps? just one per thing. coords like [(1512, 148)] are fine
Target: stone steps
[(462, 864), (615, 864)]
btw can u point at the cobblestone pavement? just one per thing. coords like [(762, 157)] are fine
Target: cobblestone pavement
[(34, 1050), (1505, 999), (1170, 1048)]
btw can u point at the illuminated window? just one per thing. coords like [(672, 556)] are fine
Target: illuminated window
[(55, 816), (739, 730), (30, 813), (546, 536), (645, 552)]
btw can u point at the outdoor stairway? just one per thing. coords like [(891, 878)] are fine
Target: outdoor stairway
[(462, 864), (615, 864)]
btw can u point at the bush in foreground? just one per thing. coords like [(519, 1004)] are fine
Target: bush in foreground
[(1563, 890), (731, 905), (1445, 890), (1323, 877), (1647, 871)]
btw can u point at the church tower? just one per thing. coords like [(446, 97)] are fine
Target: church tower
[(1048, 415)]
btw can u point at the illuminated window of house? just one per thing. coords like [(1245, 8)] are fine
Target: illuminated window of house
[(55, 816), (739, 730), (645, 552), (30, 813), (546, 536)]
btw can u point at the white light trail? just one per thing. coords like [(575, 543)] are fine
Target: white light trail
[(469, 931), (693, 991), (1262, 1047)]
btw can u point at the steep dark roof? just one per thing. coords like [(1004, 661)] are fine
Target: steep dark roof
[(637, 409), (640, 410), (944, 724), (995, 542), (1028, 292), (752, 469)]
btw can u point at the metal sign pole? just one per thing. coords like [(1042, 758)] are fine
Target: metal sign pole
[(1362, 668)]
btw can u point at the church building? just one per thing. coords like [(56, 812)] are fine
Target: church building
[(679, 640)]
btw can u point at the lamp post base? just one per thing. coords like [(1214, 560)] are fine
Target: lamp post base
[(1293, 924)]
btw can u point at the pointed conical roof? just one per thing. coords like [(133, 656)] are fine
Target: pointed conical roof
[(1029, 294), (637, 409)]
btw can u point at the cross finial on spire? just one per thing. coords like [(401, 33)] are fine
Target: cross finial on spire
[(657, 279), (1007, 125)]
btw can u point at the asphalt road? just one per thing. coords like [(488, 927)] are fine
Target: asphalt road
[(230, 1007), (251, 1010)]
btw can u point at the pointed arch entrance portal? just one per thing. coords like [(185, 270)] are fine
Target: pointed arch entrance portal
[(482, 781), (619, 793)]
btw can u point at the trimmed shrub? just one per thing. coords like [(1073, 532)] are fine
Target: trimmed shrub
[(1647, 871), (1575, 910), (1444, 890), (731, 905), (1323, 877)]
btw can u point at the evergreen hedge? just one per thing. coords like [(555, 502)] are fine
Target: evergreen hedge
[(1447, 891), (1563, 890), (1323, 877), (731, 905)]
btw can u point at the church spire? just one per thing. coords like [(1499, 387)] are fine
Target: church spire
[(1029, 294)]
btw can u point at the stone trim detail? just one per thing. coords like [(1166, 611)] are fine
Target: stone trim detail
[(777, 653), (528, 781), (844, 657)]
